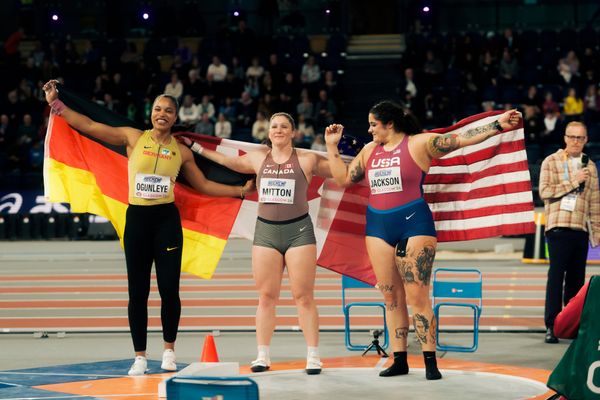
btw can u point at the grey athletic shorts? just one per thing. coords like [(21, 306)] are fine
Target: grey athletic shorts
[(281, 235)]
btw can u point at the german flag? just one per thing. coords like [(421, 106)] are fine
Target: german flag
[(92, 177)]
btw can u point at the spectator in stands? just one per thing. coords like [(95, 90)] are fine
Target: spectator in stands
[(432, 69), (255, 70), (275, 70), (223, 127), (508, 70), (306, 131), (305, 107), (36, 156), (573, 106), (532, 124), (193, 85), (549, 105), (265, 105), (189, 115), (174, 87), (290, 88), (227, 108), (267, 86), (239, 75), (325, 110), (532, 98), (330, 85), (207, 107), (205, 126), (319, 143), (260, 128), (550, 134), (246, 112), (216, 70), (310, 75), (252, 87), (591, 107)]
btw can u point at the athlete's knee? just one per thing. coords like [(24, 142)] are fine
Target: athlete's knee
[(304, 299), (419, 300), (267, 299)]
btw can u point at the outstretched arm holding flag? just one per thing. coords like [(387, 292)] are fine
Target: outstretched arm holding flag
[(153, 229), (400, 233)]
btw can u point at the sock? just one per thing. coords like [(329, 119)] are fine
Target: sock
[(399, 367), (312, 352), (263, 352), (431, 370)]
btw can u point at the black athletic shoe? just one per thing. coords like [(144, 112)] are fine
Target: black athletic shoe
[(550, 338)]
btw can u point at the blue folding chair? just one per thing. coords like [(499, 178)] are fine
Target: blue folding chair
[(351, 283), (211, 387), (457, 288)]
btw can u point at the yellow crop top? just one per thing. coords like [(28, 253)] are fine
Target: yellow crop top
[(153, 169)]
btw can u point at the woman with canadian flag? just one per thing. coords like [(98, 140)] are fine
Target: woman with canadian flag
[(284, 233)]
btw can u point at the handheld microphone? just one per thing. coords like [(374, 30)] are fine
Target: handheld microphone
[(584, 162)]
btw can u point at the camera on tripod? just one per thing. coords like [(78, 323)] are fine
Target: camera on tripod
[(375, 343)]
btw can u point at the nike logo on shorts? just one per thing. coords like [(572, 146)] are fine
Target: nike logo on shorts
[(172, 248), (410, 216), (302, 229)]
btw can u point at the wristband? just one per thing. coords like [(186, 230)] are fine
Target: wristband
[(197, 148), (497, 126), (57, 106)]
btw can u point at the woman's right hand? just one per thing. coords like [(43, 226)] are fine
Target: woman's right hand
[(50, 90), (333, 134)]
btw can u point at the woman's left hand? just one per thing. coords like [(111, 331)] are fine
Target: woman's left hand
[(509, 119), (249, 187)]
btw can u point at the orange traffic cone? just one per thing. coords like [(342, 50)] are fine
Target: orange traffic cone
[(209, 351)]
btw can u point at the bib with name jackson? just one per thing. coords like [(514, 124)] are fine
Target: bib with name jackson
[(148, 186), (385, 179)]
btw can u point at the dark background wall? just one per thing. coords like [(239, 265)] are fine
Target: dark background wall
[(119, 18)]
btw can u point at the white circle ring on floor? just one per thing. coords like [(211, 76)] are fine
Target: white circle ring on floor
[(365, 383)]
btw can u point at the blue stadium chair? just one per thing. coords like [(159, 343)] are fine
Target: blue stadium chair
[(351, 283), (457, 288), (211, 387)]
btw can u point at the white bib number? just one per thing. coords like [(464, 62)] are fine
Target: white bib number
[(567, 203), (385, 180), (274, 190), (151, 186)]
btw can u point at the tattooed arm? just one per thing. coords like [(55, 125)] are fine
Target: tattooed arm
[(344, 175), (438, 145)]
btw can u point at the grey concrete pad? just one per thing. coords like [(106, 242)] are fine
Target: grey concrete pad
[(364, 383)]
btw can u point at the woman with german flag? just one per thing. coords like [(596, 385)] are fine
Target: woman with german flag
[(284, 234), (153, 231)]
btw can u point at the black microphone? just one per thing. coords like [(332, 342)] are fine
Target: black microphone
[(584, 162)]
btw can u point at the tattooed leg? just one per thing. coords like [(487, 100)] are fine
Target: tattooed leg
[(400, 365), (421, 325)]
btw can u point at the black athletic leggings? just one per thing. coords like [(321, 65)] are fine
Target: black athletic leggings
[(153, 233)]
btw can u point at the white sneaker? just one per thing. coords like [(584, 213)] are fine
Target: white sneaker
[(261, 364), (139, 367), (313, 365), (168, 361)]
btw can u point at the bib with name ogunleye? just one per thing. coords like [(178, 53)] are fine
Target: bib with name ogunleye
[(275, 190), (148, 186)]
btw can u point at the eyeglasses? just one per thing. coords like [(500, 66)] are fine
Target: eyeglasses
[(580, 138)]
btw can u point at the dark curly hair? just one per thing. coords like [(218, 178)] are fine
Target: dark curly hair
[(388, 111)]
